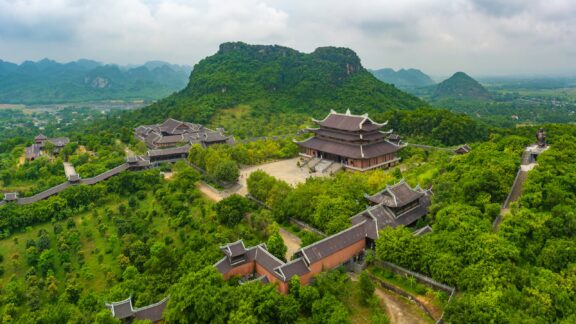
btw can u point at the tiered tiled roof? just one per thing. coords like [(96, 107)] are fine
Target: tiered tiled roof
[(397, 195), (350, 136), (349, 122), (173, 132)]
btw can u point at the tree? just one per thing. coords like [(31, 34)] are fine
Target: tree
[(366, 288), (199, 297), (72, 291), (46, 261), (231, 210), (226, 171), (276, 246), (329, 310)]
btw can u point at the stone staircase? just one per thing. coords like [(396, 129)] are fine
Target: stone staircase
[(335, 167), (322, 165)]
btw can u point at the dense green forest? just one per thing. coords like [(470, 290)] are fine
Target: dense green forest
[(102, 243), (149, 234), (275, 79), (522, 273)]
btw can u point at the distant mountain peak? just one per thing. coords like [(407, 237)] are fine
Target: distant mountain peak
[(47, 81), (403, 78), (461, 86)]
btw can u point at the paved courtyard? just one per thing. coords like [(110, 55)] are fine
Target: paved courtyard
[(286, 170)]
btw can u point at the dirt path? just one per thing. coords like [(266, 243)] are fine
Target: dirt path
[(209, 192), (292, 242), (399, 310), (21, 161)]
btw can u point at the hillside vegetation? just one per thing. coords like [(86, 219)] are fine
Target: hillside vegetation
[(275, 79)]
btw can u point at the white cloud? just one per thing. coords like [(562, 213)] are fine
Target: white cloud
[(439, 36)]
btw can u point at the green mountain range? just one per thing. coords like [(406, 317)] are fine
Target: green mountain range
[(275, 79), (403, 78), (48, 81), (462, 87)]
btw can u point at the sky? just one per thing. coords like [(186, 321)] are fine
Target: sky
[(481, 37)]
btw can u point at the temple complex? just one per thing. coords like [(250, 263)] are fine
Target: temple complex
[(355, 141), (396, 205), (35, 150), (174, 132)]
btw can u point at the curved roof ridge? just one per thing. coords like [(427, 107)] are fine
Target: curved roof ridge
[(129, 299), (329, 237), (151, 305)]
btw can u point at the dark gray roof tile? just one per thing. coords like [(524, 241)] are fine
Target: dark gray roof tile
[(332, 244)]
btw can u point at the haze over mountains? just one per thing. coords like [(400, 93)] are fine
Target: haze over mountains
[(403, 78), (461, 86), (48, 81)]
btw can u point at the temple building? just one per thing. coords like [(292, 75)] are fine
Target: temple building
[(35, 150), (124, 311), (173, 133), (396, 205), (355, 141), (463, 149)]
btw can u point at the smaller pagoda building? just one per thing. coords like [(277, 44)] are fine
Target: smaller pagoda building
[(173, 132), (396, 205), (355, 141), (35, 150)]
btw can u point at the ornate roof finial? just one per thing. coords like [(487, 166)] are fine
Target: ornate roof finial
[(348, 113)]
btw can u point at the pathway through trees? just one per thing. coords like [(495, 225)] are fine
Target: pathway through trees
[(292, 242), (399, 310)]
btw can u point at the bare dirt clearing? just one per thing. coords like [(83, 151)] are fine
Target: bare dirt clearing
[(292, 242)]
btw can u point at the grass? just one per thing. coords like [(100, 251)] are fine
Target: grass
[(93, 274), (359, 313), (16, 244), (436, 299)]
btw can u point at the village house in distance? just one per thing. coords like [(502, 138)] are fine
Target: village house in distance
[(35, 150), (396, 205), (355, 141), (174, 132)]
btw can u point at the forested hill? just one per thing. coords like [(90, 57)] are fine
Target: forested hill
[(461, 86), (404, 78), (273, 79), (48, 81)]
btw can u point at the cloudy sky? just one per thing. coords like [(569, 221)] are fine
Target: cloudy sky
[(482, 37)]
